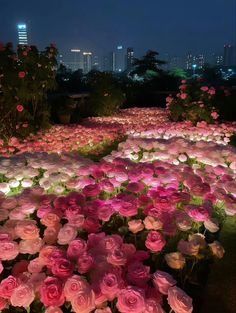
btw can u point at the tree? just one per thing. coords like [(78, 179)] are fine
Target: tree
[(148, 66)]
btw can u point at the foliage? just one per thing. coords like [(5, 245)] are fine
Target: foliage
[(106, 94), (25, 78), (194, 103), (148, 66)]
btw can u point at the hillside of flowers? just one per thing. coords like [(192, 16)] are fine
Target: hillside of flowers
[(133, 232)]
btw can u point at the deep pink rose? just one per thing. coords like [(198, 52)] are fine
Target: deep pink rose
[(51, 292), (179, 301), (198, 213), (163, 281), (21, 74), (117, 257), (63, 268), (131, 300), (92, 190), (155, 241), (85, 263), (138, 274), (76, 248), (105, 212), (7, 286)]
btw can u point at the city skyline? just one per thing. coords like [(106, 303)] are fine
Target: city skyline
[(101, 25)]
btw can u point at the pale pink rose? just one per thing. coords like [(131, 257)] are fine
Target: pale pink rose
[(51, 292), (9, 250), (153, 307), (35, 266), (83, 301), (183, 221), (217, 249), (27, 229), (163, 281), (155, 241), (66, 234), (76, 248), (179, 301), (73, 285), (30, 246), (212, 225), (135, 226), (7, 286), (138, 274), (198, 239), (53, 309), (175, 260), (23, 295), (131, 300), (152, 223), (188, 247)]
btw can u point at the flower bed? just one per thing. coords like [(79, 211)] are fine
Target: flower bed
[(130, 233)]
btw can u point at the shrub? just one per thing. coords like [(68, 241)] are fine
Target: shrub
[(25, 78), (106, 96), (194, 103)]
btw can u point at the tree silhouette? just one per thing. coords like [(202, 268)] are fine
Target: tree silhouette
[(148, 65)]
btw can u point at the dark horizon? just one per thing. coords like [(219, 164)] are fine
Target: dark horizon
[(99, 26)]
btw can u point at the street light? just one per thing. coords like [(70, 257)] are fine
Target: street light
[(194, 68)]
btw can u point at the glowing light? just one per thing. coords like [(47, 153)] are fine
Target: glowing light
[(75, 50), (21, 26)]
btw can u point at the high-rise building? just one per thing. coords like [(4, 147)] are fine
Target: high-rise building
[(109, 62), (196, 61), (228, 59), (87, 58), (119, 59), (129, 58), (95, 64), (76, 62), (22, 34)]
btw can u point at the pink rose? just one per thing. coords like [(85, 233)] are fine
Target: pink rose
[(62, 268), (198, 213), (74, 285), (84, 301), (27, 229), (105, 212), (204, 88), (135, 226), (179, 301), (138, 274), (131, 300), (76, 248), (153, 307), (188, 247), (214, 115), (7, 286), (30, 246), (183, 96), (163, 281), (9, 250), (53, 309), (35, 266), (110, 284), (92, 190), (85, 263), (21, 74), (217, 249), (155, 241), (66, 234), (117, 257), (51, 292), (23, 295), (3, 303)]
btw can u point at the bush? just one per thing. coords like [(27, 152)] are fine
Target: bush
[(106, 96), (194, 103), (25, 78)]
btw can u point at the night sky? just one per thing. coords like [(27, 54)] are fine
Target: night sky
[(169, 26)]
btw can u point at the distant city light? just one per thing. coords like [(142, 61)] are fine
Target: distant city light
[(119, 47), (75, 50), (21, 26), (87, 53), (194, 65)]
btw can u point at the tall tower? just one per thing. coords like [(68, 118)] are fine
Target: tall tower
[(87, 56), (22, 34), (129, 58), (228, 55), (119, 59)]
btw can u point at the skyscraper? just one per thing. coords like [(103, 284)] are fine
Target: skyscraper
[(87, 58), (228, 55), (77, 62), (119, 59), (22, 34), (129, 58)]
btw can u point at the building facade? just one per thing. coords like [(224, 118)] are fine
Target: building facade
[(22, 32)]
